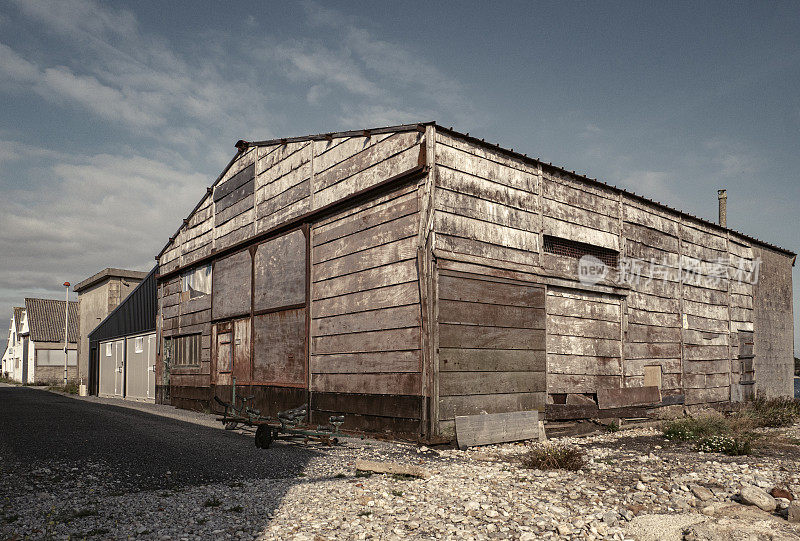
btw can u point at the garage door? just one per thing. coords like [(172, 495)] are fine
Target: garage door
[(112, 368)]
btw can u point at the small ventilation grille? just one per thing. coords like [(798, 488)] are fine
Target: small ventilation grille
[(571, 248)]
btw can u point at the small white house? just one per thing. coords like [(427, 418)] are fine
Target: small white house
[(35, 352), (12, 358)]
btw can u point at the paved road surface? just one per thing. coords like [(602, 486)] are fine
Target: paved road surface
[(140, 450)]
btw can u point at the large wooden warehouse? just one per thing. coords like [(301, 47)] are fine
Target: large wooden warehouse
[(407, 275)]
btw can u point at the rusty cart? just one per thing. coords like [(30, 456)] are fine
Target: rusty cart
[(289, 424)]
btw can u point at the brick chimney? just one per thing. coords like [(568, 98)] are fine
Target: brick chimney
[(723, 207)]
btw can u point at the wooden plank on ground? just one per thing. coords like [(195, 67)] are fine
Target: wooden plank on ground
[(391, 467), (496, 428)]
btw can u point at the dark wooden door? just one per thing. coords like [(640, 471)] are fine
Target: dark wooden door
[(223, 354), (242, 365)]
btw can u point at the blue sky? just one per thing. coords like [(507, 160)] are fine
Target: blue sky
[(115, 117)]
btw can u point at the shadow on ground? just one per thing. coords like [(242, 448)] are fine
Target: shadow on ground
[(60, 456)]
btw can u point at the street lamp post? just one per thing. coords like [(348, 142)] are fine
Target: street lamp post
[(66, 332)]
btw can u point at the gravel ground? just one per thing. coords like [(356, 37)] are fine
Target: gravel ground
[(86, 469)]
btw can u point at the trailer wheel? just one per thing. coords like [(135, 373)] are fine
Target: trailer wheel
[(263, 437)]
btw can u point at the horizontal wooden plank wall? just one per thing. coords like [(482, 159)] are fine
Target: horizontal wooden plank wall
[(706, 326), (653, 325), (486, 203), (491, 346), (365, 314), (268, 185), (263, 188), (583, 341), (577, 211), (674, 311)]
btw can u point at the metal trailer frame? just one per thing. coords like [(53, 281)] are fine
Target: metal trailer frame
[(287, 426)]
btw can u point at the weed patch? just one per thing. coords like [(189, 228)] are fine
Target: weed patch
[(713, 433), (762, 412), (729, 445), (69, 388), (694, 428), (542, 456)]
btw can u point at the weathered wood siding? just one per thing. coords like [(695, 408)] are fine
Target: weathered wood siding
[(486, 203), (365, 313), (491, 346), (667, 312), (264, 188), (375, 309), (583, 341), (269, 185), (652, 322)]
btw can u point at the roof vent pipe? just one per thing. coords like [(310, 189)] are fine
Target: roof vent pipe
[(723, 207)]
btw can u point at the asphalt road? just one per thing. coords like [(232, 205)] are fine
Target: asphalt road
[(138, 450)]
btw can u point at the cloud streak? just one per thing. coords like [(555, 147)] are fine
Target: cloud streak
[(173, 112)]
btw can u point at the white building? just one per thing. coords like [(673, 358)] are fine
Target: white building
[(12, 358), (35, 351)]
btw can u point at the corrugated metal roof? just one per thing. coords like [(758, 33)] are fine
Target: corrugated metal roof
[(46, 320), (242, 146), (19, 312)]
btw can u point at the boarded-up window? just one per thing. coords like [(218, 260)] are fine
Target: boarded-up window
[(280, 348), (183, 350), (55, 357), (196, 282), (583, 341), (652, 376), (280, 272), (231, 286), (492, 346)]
